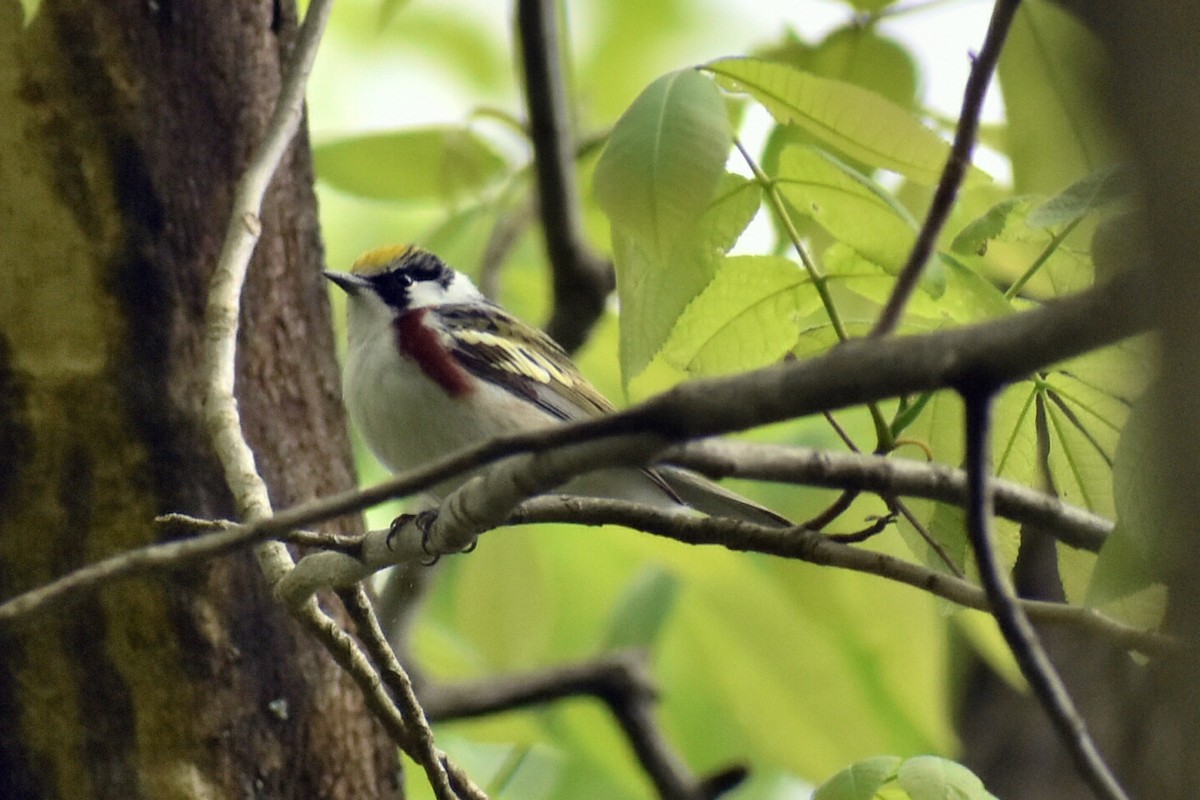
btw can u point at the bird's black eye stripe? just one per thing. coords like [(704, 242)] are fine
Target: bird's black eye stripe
[(416, 267), (424, 266), (393, 287)]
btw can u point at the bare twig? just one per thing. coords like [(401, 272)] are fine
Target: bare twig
[(504, 236), (349, 656), (816, 548), (621, 681), (220, 349), (955, 169), (856, 372), (582, 280), (1010, 615), (358, 606), (889, 476)]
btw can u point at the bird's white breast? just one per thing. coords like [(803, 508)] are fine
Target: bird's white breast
[(408, 420)]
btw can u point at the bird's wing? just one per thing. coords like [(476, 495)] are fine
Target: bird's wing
[(496, 347), (716, 501)]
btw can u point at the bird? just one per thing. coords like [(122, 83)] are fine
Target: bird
[(433, 366)]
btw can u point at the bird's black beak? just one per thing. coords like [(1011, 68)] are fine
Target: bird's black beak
[(348, 283)]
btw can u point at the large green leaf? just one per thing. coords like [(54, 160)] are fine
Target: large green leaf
[(1090, 193), (861, 781), (933, 778), (1049, 71), (847, 205), (745, 318), (759, 621), (1003, 239), (419, 164), (663, 161), (856, 121), (861, 55), (654, 293)]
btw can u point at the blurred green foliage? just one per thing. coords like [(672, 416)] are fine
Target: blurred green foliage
[(792, 669)]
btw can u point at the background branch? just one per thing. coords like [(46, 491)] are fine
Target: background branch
[(854, 373), (581, 279), (1020, 636), (887, 476), (954, 171), (622, 681), (221, 411), (816, 548)]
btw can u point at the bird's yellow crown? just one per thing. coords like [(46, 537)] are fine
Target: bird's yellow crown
[(381, 259)]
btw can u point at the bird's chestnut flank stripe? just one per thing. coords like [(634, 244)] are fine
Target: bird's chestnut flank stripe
[(420, 343)]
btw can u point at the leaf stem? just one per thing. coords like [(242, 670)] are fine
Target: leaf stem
[(1042, 258), (883, 434)]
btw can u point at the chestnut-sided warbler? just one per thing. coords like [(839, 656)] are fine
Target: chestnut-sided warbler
[(433, 366)]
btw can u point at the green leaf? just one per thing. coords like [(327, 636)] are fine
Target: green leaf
[(748, 661), (871, 6), (745, 318), (1060, 267), (974, 238), (642, 609), (1097, 190), (1049, 71), (858, 54), (654, 293), (1085, 425), (859, 781), (939, 428), (419, 164), (847, 205), (933, 778), (663, 161), (1131, 563), (1124, 583), (856, 121)]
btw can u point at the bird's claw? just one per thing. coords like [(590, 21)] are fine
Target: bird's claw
[(424, 521)]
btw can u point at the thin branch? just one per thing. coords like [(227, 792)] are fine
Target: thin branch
[(582, 280), (220, 349), (621, 681), (1018, 633), (358, 607), (853, 373), (889, 476), (350, 657), (831, 512), (503, 238), (955, 169), (816, 548), (350, 543)]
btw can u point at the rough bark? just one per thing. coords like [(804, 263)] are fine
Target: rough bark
[(123, 125)]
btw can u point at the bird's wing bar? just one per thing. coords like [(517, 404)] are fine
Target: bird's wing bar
[(496, 347)]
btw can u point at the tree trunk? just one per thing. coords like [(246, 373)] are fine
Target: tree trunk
[(123, 126)]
